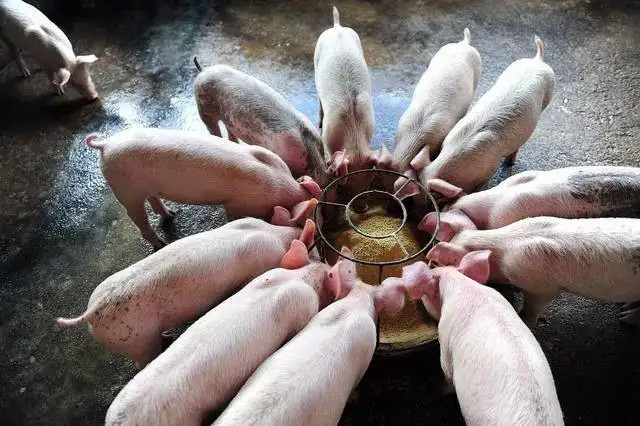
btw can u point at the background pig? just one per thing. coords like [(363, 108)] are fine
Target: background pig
[(129, 310), (23, 27), (326, 360), (441, 98), (496, 127), (490, 358), (589, 191), (211, 360), (544, 256), (188, 167), (344, 89), (259, 115)]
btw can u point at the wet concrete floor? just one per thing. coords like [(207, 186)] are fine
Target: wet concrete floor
[(62, 232)]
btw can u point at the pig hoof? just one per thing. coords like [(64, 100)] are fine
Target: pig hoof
[(171, 213), (159, 243)]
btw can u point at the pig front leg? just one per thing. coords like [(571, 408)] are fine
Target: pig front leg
[(158, 207), (534, 304), (16, 54)]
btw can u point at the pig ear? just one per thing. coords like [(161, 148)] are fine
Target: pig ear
[(60, 78), (404, 188), (415, 278), (344, 272), (451, 223), (296, 257), (447, 254), (389, 296), (310, 186), (281, 216), (86, 59), (302, 211), (475, 265), (444, 188), (308, 233), (421, 160)]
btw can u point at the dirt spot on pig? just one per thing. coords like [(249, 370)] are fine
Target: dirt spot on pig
[(617, 193)]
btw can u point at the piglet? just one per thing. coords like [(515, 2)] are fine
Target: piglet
[(129, 310), (23, 27), (544, 256), (148, 164), (206, 366), (257, 114), (441, 98), (571, 192), (502, 120), (308, 380), (488, 355), (344, 90)]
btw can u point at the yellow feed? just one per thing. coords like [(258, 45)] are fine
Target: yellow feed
[(411, 326)]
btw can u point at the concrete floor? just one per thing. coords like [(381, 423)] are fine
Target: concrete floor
[(63, 232)]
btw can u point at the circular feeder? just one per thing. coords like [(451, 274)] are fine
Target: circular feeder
[(352, 217)]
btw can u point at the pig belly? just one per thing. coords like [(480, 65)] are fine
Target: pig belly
[(228, 343), (327, 358)]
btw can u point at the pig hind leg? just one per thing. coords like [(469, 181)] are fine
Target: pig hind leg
[(534, 303), (137, 213), (16, 54), (511, 158), (158, 207)]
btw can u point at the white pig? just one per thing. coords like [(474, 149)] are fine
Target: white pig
[(344, 90), (129, 310), (189, 167), (544, 256), (571, 192), (496, 126), (206, 366), (308, 381), (488, 355), (441, 98), (23, 27), (257, 114)]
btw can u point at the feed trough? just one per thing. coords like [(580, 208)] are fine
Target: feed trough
[(381, 231)]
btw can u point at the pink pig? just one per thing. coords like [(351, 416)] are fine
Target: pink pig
[(544, 256), (488, 355), (495, 127), (571, 192), (346, 101), (149, 164), (257, 114), (129, 310), (308, 380), (23, 27), (441, 98), (207, 365)]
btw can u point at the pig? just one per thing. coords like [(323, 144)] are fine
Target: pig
[(259, 115), (441, 98), (597, 258), (571, 192), (344, 91), (495, 127), (489, 357), (327, 359), (23, 27), (130, 309), (206, 366), (188, 167)]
